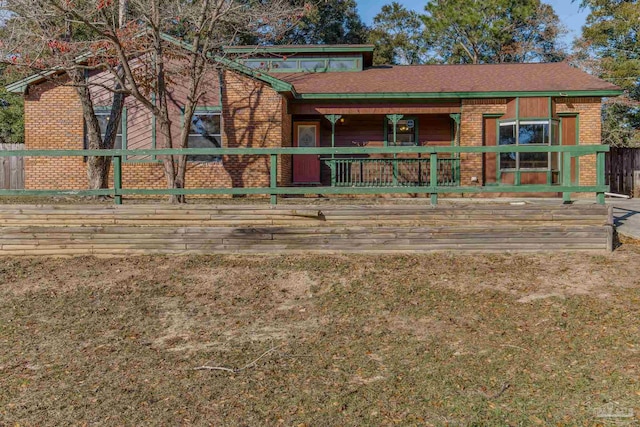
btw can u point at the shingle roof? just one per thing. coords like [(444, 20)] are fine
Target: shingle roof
[(538, 77)]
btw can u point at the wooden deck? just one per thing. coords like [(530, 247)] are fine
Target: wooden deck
[(205, 229)]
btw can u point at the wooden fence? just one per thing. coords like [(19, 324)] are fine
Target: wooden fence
[(620, 163), (11, 168)]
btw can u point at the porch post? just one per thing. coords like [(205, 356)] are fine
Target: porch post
[(566, 175), (456, 118), (600, 172), (395, 118), (273, 178), (117, 179), (333, 118), (433, 176)]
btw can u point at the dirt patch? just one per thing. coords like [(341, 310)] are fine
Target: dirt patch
[(349, 340)]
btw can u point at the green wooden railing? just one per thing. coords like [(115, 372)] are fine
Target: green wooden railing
[(392, 172), (445, 182)]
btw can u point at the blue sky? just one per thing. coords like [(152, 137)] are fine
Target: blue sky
[(569, 12)]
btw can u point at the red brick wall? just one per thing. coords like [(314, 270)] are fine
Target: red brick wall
[(253, 115), (471, 134), (589, 115), (53, 120)]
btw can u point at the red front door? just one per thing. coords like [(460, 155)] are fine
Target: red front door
[(306, 167)]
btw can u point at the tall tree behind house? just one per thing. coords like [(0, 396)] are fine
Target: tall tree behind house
[(328, 22), (397, 34), (492, 31), (610, 48)]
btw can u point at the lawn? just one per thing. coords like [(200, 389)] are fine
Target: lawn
[(546, 339)]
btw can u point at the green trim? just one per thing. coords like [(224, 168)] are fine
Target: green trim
[(550, 118), (577, 144), (537, 188), (299, 49), (576, 150), (465, 95), (277, 84), (123, 127), (187, 46), (153, 128)]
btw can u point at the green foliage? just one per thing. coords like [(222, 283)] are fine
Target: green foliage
[(329, 22), (610, 48), (397, 35), (492, 31), (11, 112)]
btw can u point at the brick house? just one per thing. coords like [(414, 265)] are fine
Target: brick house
[(308, 96)]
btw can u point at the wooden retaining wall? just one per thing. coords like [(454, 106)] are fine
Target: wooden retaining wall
[(203, 229)]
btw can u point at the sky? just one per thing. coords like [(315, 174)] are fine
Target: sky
[(569, 12)]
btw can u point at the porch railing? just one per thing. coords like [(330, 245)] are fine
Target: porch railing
[(392, 172), (441, 177)]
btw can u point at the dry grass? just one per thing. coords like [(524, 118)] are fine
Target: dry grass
[(410, 340)]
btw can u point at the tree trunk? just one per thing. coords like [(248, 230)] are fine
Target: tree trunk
[(97, 167), (168, 164)]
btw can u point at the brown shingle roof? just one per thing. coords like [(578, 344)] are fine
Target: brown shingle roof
[(539, 77)]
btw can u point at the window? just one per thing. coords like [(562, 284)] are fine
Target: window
[(406, 132), (342, 64), (297, 64), (103, 119), (527, 132), (313, 65), (205, 132)]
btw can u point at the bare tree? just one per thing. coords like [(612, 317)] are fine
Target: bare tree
[(146, 46)]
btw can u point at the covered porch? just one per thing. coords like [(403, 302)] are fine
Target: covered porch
[(375, 126)]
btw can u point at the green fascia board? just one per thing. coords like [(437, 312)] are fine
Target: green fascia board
[(299, 49), (21, 85), (277, 84), (460, 95), (177, 42)]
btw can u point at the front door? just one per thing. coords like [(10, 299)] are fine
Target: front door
[(306, 167)]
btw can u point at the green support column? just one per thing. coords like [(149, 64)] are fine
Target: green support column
[(600, 176), (274, 178), (333, 118), (117, 179), (395, 118), (433, 176), (566, 176)]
